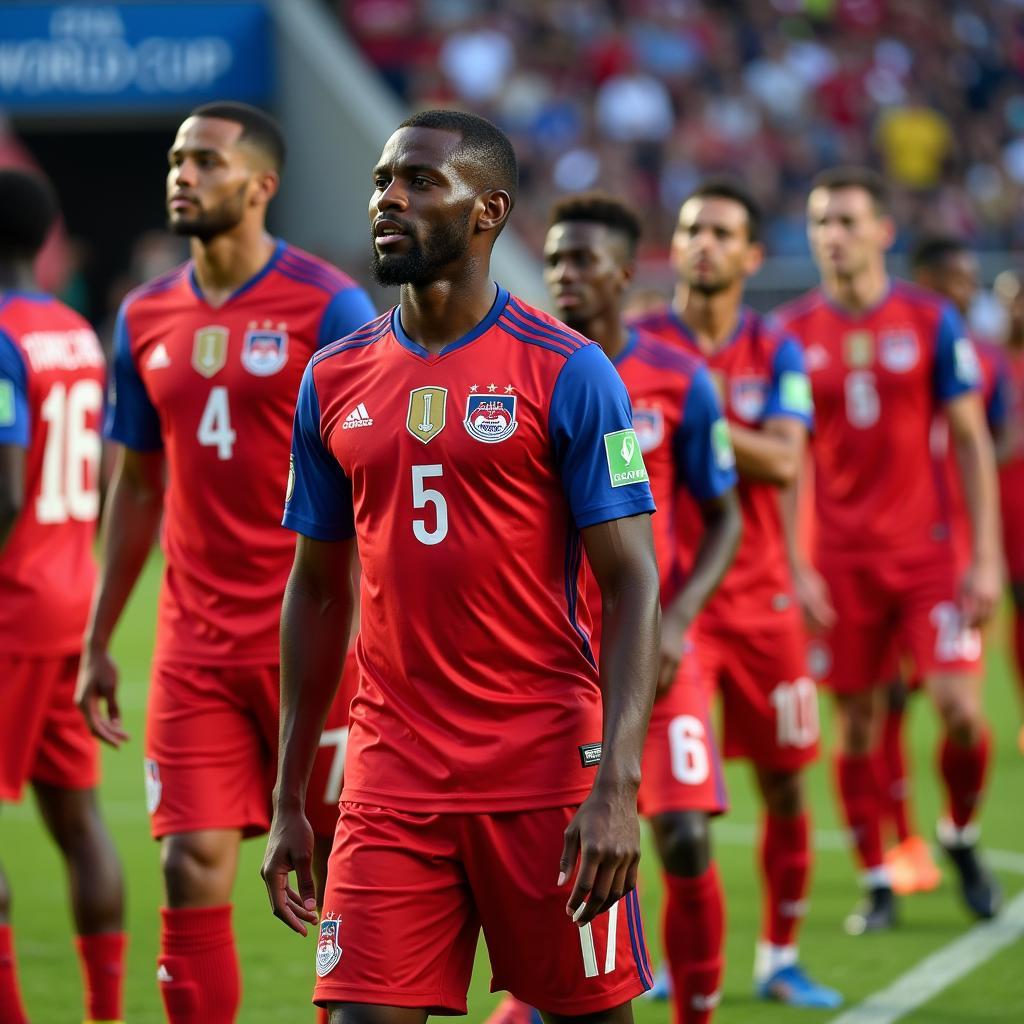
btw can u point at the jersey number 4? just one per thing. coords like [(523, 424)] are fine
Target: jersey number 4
[(215, 424), (71, 458)]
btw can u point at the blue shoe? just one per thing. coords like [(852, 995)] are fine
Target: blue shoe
[(661, 990), (791, 986)]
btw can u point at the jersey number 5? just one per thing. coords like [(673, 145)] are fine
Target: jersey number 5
[(71, 458), (423, 496), (215, 424)]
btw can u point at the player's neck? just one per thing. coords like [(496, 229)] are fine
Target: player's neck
[(223, 264), (608, 330), (17, 276), (439, 313), (712, 317), (857, 293)]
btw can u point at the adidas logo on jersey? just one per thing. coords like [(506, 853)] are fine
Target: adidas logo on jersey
[(358, 417), (158, 358)]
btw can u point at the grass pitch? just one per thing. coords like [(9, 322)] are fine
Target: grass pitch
[(278, 966)]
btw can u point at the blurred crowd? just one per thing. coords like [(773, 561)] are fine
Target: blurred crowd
[(645, 96)]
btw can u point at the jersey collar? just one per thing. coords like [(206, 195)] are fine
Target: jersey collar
[(500, 301), (690, 339), (279, 248)]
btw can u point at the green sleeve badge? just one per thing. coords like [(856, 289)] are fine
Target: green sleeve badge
[(8, 412), (965, 362), (721, 445), (795, 392), (625, 462)]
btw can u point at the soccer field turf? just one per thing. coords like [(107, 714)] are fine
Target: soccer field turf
[(278, 966)]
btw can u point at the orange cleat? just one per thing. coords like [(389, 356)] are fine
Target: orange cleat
[(912, 867)]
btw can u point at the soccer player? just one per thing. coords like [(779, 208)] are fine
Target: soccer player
[(51, 398), (946, 265), (750, 637), (206, 371), (882, 357), (492, 771)]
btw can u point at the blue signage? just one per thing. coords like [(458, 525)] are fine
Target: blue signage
[(84, 57)]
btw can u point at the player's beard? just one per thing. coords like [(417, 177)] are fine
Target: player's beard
[(208, 224), (422, 264)]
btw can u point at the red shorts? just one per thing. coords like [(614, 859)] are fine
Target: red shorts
[(408, 893), (769, 699), (211, 750), (1012, 499), (43, 736), (910, 603), (682, 769)]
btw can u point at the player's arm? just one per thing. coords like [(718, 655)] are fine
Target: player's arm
[(12, 488), (15, 435)]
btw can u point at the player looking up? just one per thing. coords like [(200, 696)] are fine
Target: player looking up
[(207, 365), (750, 638), (883, 357), (490, 764), (51, 400)]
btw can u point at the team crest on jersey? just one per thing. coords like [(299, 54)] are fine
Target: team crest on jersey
[(858, 349), (649, 425), (748, 395), (154, 787), (898, 351), (210, 350), (264, 350), (328, 950), (491, 418), (427, 413)]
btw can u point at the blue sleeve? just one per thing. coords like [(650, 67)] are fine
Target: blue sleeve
[(997, 412), (956, 362), (318, 502), (596, 451), (130, 416), (15, 414), (703, 453), (345, 314), (790, 390)]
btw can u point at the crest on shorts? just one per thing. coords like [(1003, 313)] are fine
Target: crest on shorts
[(748, 395), (649, 425), (154, 787), (858, 349), (427, 412), (491, 418), (264, 350), (898, 351), (328, 951), (210, 350)]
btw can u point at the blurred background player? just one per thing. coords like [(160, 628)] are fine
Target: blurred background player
[(207, 364), (882, 356), (51, 400), (944, 264), (750, 637), (1010, 292)]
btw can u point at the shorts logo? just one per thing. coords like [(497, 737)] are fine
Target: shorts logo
[(858, 349), (427, 412), (7, 407), (290, 489), (649, 425), (590, 754), (210, 350), (491, 418), (264, 351), (748, 396), (625, 462), (154, 787), (328, 952), (898, 351)]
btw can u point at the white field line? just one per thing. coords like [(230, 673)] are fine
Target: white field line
[(943, 968)]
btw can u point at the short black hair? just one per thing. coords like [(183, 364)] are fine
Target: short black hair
[(865, 178), (28, 209), (930, 251), (729, 188), (485, 143), (599, 208), (258, 127)]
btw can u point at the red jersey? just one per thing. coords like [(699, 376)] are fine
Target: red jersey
[(878, 379), (215, 388), (760, 374), (1011, 472), (466, 478), (51, 401)]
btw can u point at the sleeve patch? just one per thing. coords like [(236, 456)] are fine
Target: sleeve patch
[(8, 408), (624, 458), (725, 457), (795, 392), (965, 362)]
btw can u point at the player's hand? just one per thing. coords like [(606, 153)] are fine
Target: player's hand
[(604, 836), (979, 592), (673, 647), (96, 697), (815, 600), (290, 848)]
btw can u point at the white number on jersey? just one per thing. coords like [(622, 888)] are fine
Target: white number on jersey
[(796, 713), (337, 738), (863, 406), (690, 762), (71, 458), (215, 424), (423, 496)]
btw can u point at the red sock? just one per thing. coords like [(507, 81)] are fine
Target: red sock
[(856, 777), (197, 969), (693, 932), (964, 770), (102, 960), (786, 865), (12, 1010), (893, 772)]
